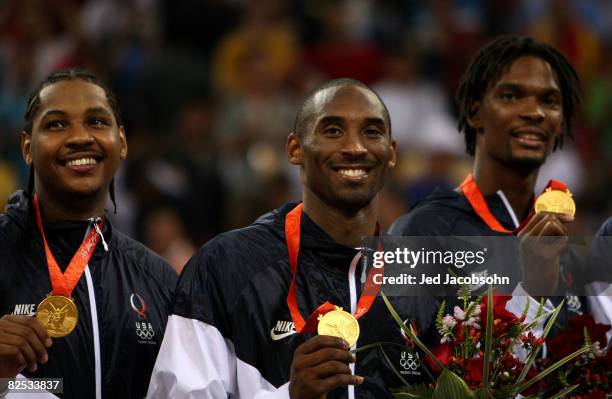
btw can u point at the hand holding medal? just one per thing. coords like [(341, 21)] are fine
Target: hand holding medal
[(544, 237)]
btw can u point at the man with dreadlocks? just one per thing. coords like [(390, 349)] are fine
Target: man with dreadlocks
[(81, 301), (517, 101)]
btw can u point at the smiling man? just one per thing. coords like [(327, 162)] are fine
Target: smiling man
[(242, 324), (517, 101), (80, 301)]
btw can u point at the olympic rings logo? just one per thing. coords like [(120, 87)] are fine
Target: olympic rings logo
[(145, 333), (409, 362)]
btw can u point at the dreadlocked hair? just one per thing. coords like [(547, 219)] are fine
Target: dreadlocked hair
[(493, 60), (60, 76)]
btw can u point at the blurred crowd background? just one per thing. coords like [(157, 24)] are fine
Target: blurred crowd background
[(209, 88)]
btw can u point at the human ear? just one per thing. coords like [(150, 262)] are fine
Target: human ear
[(26, 147), (393, 159), (123, 147), (473, 117), (295, 152)]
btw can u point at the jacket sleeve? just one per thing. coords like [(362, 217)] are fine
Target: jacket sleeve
[(197, 357), (599, 277), (195, 361)]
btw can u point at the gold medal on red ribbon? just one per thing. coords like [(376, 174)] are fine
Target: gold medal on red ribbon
[(555, 198), (556, 201), (58, 315), (341, 324), (327, 319), (58, 312)]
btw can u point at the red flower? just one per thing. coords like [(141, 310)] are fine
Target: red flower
[(532, 390), (573, 338), (564, 344), (473, 372), (444, 354), (597, 332), (500, 313)]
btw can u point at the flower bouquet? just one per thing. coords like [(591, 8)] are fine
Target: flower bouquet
[(485, 352), (592, 371)]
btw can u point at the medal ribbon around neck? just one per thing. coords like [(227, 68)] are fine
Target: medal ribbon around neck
[(292, 235), (478, 202), (63, 283)]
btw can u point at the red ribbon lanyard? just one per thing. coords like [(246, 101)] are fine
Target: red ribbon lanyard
[(478, 202), (64, 283), (292, 235), (556, 185)]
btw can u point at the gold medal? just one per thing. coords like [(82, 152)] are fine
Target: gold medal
[(556, 201), (58, 315), (341, 324)]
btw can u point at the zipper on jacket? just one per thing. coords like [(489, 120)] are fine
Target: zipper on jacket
[(94, 321), (353, 295)]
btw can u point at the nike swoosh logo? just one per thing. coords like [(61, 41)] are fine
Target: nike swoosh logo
[(276, 337)]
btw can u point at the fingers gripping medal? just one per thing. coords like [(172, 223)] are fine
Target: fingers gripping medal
[(339, 323), (557, 199), (57, 312)]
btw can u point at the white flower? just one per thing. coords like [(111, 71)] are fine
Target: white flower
[(597, 351), (473, 322), (459, 313), (445, 339), (449, 322)]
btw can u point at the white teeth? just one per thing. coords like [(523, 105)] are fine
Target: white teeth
[(81, 161), (353, 172), (530, 136)]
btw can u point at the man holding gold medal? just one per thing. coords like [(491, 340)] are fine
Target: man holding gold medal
[(76, 294), (517, 101), (250, 303)]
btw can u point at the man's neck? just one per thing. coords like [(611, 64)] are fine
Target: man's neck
[(69, 207), (344, 229), (517, 184)]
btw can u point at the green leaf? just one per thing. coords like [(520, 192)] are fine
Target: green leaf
[(552, 368), (410, 332), (418, 391), (407, 395), (482, 393), (377, 345), (534, 354), (564, 392), (488, 338), (451, 386), (399, 376)]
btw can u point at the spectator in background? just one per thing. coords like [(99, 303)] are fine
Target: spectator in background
[(340, 49), (429, 147), (253, 69), (164, 233)]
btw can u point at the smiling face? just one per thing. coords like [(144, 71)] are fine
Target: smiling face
[(520, 115), (346, 149), (75, 145)]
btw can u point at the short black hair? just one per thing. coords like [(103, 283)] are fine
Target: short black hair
[(60, 76), (304, 114), (64, 75), (493, 60)]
